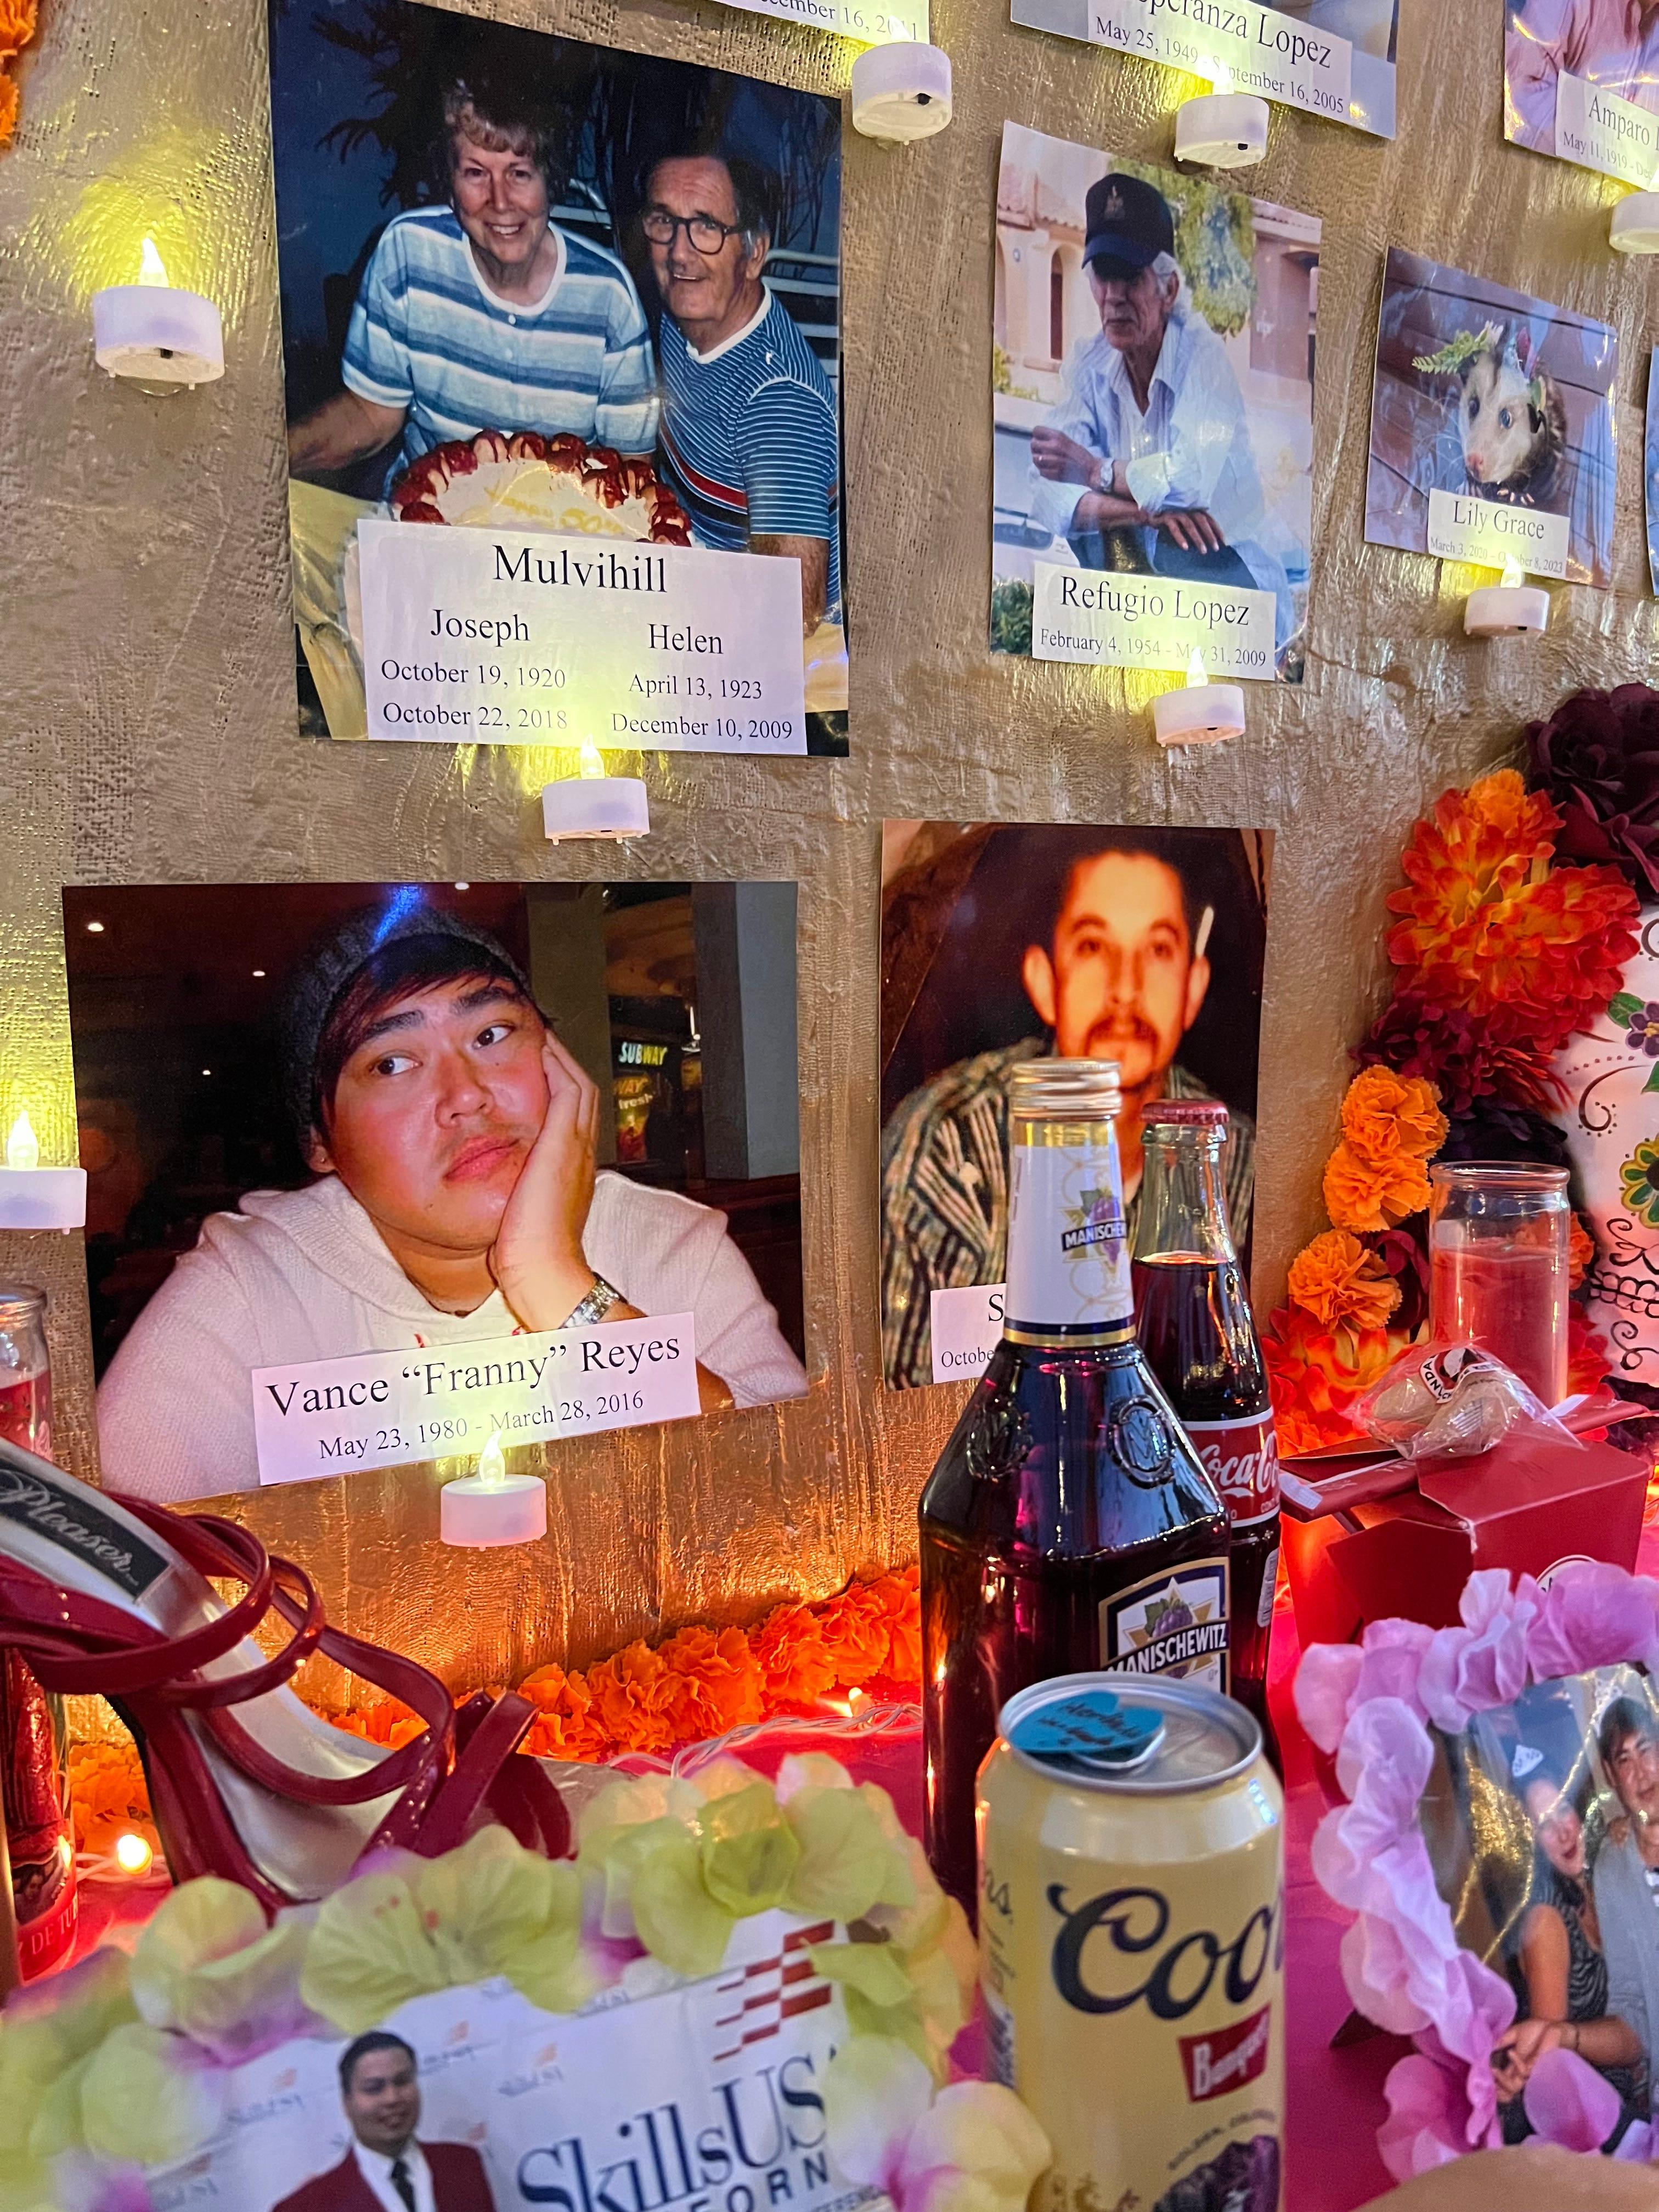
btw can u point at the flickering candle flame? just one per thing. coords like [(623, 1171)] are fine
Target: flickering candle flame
[(1195, 672), (1514, 573), (152, 270), (492, 1462), (592, 758), (23, 1145), (132, 1853)]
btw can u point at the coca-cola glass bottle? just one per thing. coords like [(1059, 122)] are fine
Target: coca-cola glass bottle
[(34, 1750), (1069, 1525), (1194, 1320)]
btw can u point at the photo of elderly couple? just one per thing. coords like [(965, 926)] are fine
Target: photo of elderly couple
[(320, 1120), (1152, 374), (483, 229), (1542, 1823)]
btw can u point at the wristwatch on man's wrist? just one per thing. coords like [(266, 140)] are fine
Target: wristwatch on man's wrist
[(595, 1306)]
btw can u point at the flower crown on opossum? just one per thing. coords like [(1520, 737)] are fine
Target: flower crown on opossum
[(1515, 454)]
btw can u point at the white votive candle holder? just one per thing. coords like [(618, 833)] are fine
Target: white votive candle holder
[(1635, 225), (492, 1507), (1199, 713)]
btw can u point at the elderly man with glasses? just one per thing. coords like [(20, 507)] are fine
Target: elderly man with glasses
[(749, 440)]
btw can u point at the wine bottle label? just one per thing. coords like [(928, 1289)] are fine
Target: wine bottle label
[(1068, 1254), (1242, 1459), (1174, 1623)]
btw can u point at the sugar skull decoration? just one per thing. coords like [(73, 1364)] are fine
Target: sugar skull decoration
[(1612, 1113)]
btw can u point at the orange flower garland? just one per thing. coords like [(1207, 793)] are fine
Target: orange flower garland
[(18, 20), (701, 1683)]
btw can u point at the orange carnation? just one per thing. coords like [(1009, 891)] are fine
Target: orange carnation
[(1337, 1279), (1363, 1193), (1491, 928), (1384, 1114)]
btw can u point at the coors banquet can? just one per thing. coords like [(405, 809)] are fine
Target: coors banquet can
[(1132, 1942)]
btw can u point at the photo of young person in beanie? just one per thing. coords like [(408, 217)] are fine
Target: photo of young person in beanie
[(454, 1195)]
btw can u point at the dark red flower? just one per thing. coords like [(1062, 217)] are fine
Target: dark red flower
[(1463, 1058), (1405, 1252), (1597, 757)]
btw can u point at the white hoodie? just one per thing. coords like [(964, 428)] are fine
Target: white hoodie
[(303, 1275)]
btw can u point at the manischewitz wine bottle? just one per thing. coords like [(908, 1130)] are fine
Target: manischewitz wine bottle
[(1069, 1525)]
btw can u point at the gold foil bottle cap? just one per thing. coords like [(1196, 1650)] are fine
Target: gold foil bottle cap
[(1064, 1091)]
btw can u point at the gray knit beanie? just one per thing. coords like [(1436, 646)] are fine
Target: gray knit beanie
[(326, 971)]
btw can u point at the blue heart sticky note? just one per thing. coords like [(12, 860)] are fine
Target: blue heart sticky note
[(1094, 1729)]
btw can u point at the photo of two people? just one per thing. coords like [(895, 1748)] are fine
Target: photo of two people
[(321, 1120), (1002, 944), (602, 286), (1542, 1823), (1153, 370)]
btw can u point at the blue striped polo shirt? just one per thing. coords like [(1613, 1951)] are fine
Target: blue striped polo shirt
[(427, 335), (750, 441)]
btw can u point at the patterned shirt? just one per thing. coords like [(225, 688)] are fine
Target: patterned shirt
[(944, 1194), (429, 336), (751, 442)]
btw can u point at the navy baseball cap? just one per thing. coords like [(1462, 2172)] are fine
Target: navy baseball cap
[(1127, 224)]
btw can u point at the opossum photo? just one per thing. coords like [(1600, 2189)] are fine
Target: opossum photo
[(1511, 424)]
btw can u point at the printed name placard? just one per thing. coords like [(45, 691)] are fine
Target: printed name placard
[(1600, 131), (444, 1402), (487, 637), (1113, 620), (966, 1328), (848, 19), (1278, 56), (1483, 532)]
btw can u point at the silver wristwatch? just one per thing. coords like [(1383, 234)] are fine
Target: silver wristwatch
[(595, 1306)]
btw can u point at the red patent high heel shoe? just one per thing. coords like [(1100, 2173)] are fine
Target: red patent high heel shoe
[(109, 1594)]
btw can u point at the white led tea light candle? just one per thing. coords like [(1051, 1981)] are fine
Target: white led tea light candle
[(1510, 608), (490, 1506), (901, 91), (1222, 129), (591, 804), (156, 333), (33, 1197), (1635, 225), (1200, 712)]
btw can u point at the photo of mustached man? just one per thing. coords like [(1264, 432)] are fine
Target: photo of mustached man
[(386, 2168), (451, 1140), (1101, 943)]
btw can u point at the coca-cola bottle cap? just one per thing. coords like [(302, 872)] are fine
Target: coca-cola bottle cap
[(1186, 1113)]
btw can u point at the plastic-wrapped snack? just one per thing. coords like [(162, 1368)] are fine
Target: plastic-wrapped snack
[(1450, 1402)]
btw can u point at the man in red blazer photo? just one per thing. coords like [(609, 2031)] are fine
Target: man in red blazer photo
[(387, 2170)]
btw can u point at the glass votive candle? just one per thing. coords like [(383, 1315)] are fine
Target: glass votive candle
[(1499, 1234)]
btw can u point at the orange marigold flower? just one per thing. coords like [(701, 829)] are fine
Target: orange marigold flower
[(631, 1692), (1337, 1279), (901, 1603), (1589, 1358), (1491, 928), (1364, 1193), (1316, 1374), (794, 1662), (9, 99), (17, 24), (1384, 1114), (107, 1793), (855, 1635), (565, 1725), (712, 1683)]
